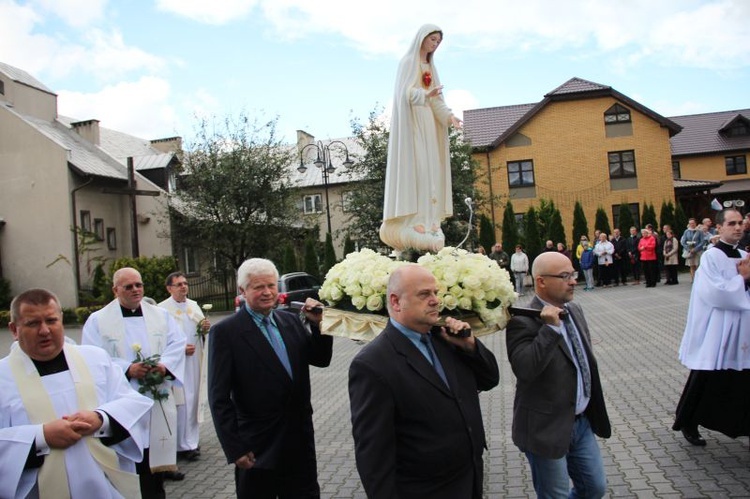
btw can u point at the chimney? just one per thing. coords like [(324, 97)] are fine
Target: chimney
[(88, 129), (167, 145)]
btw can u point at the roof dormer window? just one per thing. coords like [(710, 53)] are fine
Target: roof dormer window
[(617, 114)]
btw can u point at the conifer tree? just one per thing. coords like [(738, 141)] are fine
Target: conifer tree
[(601, 221), (486, 233), (509, 229), (625, 219), (532, 239), (580, 225)]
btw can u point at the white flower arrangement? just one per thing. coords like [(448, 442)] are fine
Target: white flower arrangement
[(470, 282), (362, 278)]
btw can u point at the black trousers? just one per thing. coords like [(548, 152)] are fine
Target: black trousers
[(152, 484), (650, 272), (671, 274), (282, 483)]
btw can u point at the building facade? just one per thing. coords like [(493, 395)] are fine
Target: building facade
[(583, 142), (68, 203)]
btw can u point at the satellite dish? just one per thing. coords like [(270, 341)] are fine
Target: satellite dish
[(728, 204), (739, 203)]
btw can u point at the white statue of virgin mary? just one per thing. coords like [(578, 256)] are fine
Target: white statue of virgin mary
[(418, 175)]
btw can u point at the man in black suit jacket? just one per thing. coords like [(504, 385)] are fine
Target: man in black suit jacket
[(259, 388), (415, 435), (559, 405)]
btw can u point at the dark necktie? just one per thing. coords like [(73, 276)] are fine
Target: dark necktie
[(583, 365), (434, 360), (276, 344)]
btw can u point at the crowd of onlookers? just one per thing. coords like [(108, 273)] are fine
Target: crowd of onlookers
[(644, 255)]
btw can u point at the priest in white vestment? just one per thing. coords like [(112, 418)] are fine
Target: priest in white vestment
[(190, 403), (418, 192), (128, 324), (70, 424), (716, 342)]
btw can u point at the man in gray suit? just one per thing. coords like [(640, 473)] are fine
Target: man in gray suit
[(559, 405)]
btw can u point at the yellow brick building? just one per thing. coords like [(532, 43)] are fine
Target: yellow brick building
[(583, 142)]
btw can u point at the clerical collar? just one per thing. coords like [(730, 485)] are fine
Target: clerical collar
[(53, 366), (728, 249), (129, 312)]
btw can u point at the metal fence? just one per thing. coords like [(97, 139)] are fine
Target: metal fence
[(218, 288)]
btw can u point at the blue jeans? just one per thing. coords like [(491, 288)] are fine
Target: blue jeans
[(520, 276), (583, 464)]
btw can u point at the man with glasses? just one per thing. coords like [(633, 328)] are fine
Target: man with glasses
[(188, 314), (559, 405), (130, 330)]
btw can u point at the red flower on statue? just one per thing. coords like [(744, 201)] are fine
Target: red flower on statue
[(426, 79)]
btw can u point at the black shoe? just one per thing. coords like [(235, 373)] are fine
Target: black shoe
[(189, 455), (694, 437), (175, 476)]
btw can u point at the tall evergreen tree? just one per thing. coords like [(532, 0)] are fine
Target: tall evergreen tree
[(649, 215), (311, 258), (329, 256), (289, 263), (580, 225), (625, 219), (486, 233), (556, 229), (348, 246), (680, 220), (545, 214), (532, 237), (509, 228), (666, 215), (601, 222)]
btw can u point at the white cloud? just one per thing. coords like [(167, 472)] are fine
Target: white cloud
[(76, 13), (140, 108), (213, 12), (460, 100)]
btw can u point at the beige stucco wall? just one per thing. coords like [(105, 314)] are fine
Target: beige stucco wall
[(28, 100), (338, 216), (35, 206)]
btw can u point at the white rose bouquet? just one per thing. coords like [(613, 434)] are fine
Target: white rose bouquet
[(471, 282), (359, 280), (468, 282)]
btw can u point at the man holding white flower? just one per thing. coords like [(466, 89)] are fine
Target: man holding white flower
[(416, 419), (194, 324), (129, 329)]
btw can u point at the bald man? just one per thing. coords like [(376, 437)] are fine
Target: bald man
[(414, 395), (559, 405)]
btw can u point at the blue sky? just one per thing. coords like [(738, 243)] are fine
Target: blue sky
[(151, 67)]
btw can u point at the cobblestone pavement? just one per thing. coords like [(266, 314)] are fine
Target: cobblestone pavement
[(636, 333)]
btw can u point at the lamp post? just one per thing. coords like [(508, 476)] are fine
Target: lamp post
[(324, 163)]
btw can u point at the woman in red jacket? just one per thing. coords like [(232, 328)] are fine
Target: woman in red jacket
[(647, 249)]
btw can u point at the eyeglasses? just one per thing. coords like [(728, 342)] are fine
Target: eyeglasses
[(136, 285), (565, 276)]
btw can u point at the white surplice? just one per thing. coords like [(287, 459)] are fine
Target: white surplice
[(190, 413), (717, 332), (156, 333), (85, 478)]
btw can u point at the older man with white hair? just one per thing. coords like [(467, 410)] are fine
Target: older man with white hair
[(259, 388)]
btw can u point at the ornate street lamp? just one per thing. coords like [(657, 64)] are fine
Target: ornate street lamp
[(324, 163)]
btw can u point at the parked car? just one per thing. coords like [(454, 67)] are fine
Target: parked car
[(295, 286)]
